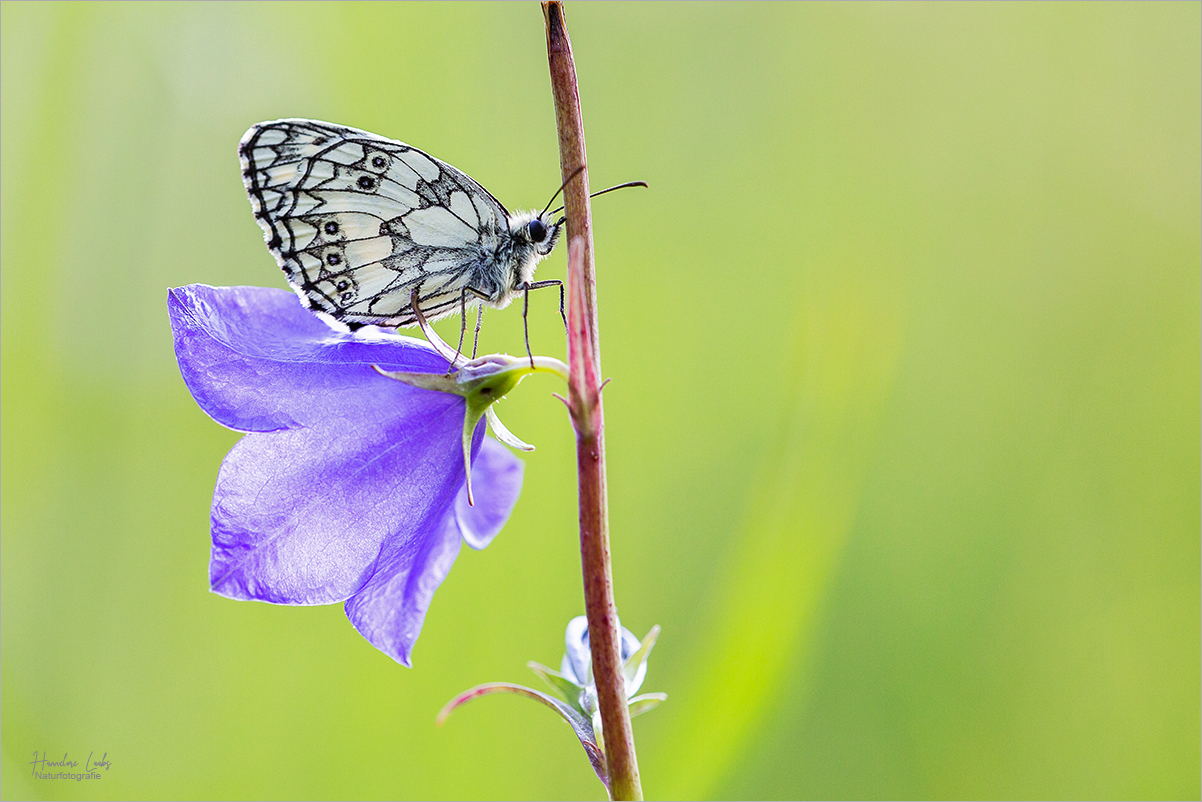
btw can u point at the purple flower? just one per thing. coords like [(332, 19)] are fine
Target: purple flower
[(349, 486)]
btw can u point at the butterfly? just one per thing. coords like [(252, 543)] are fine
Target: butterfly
[(367, 228)]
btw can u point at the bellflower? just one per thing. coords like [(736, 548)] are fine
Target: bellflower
[(349, 486)]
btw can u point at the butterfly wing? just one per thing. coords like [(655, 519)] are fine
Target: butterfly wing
[(357, 222)]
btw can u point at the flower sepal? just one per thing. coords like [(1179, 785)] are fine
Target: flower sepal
[(481, 382)]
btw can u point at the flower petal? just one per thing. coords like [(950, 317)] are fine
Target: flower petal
[(577, 663), (300, 516), (256, 360), (391, 608), (497, 477), (390, 611), (349, 486)]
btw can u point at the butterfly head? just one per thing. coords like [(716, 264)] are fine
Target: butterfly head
[(532, 235), (541, 232)]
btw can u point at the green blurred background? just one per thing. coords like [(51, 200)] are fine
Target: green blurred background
[(903, 428)]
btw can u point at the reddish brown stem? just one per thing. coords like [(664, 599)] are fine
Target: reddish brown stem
[(584, 405)]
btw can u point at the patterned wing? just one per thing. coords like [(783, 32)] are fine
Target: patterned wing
[(357, 221)]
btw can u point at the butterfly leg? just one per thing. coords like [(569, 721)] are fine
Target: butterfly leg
[(479, 321), (463, 321), (463, 329), (538, 285)]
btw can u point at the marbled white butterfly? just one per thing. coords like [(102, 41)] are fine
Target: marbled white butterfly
[(360, 223)]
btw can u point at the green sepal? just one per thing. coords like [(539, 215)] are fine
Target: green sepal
[(503, 434), (482, 382)]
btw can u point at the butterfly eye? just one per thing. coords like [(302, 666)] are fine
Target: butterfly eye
[(331, 228), (537, 231), (366, 183)]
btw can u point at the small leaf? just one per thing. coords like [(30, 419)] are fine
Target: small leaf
[(635, 667), (579, 724), (557, 682), (647, 701)]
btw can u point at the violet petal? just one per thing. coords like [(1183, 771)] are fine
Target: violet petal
[(300, 516), (349, 486), (390, 610), (256, 360), (480, 523)]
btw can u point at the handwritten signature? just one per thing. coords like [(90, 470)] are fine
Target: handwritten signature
[(42, 763)]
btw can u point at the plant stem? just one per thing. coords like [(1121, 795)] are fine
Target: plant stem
[(584, 405)]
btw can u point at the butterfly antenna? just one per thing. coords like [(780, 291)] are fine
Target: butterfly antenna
[(562, 187), (603, 191)]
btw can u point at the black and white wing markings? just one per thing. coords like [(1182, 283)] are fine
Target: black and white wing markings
[(357, 221)]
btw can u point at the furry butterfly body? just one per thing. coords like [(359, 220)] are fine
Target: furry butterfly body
[(362, 225)]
